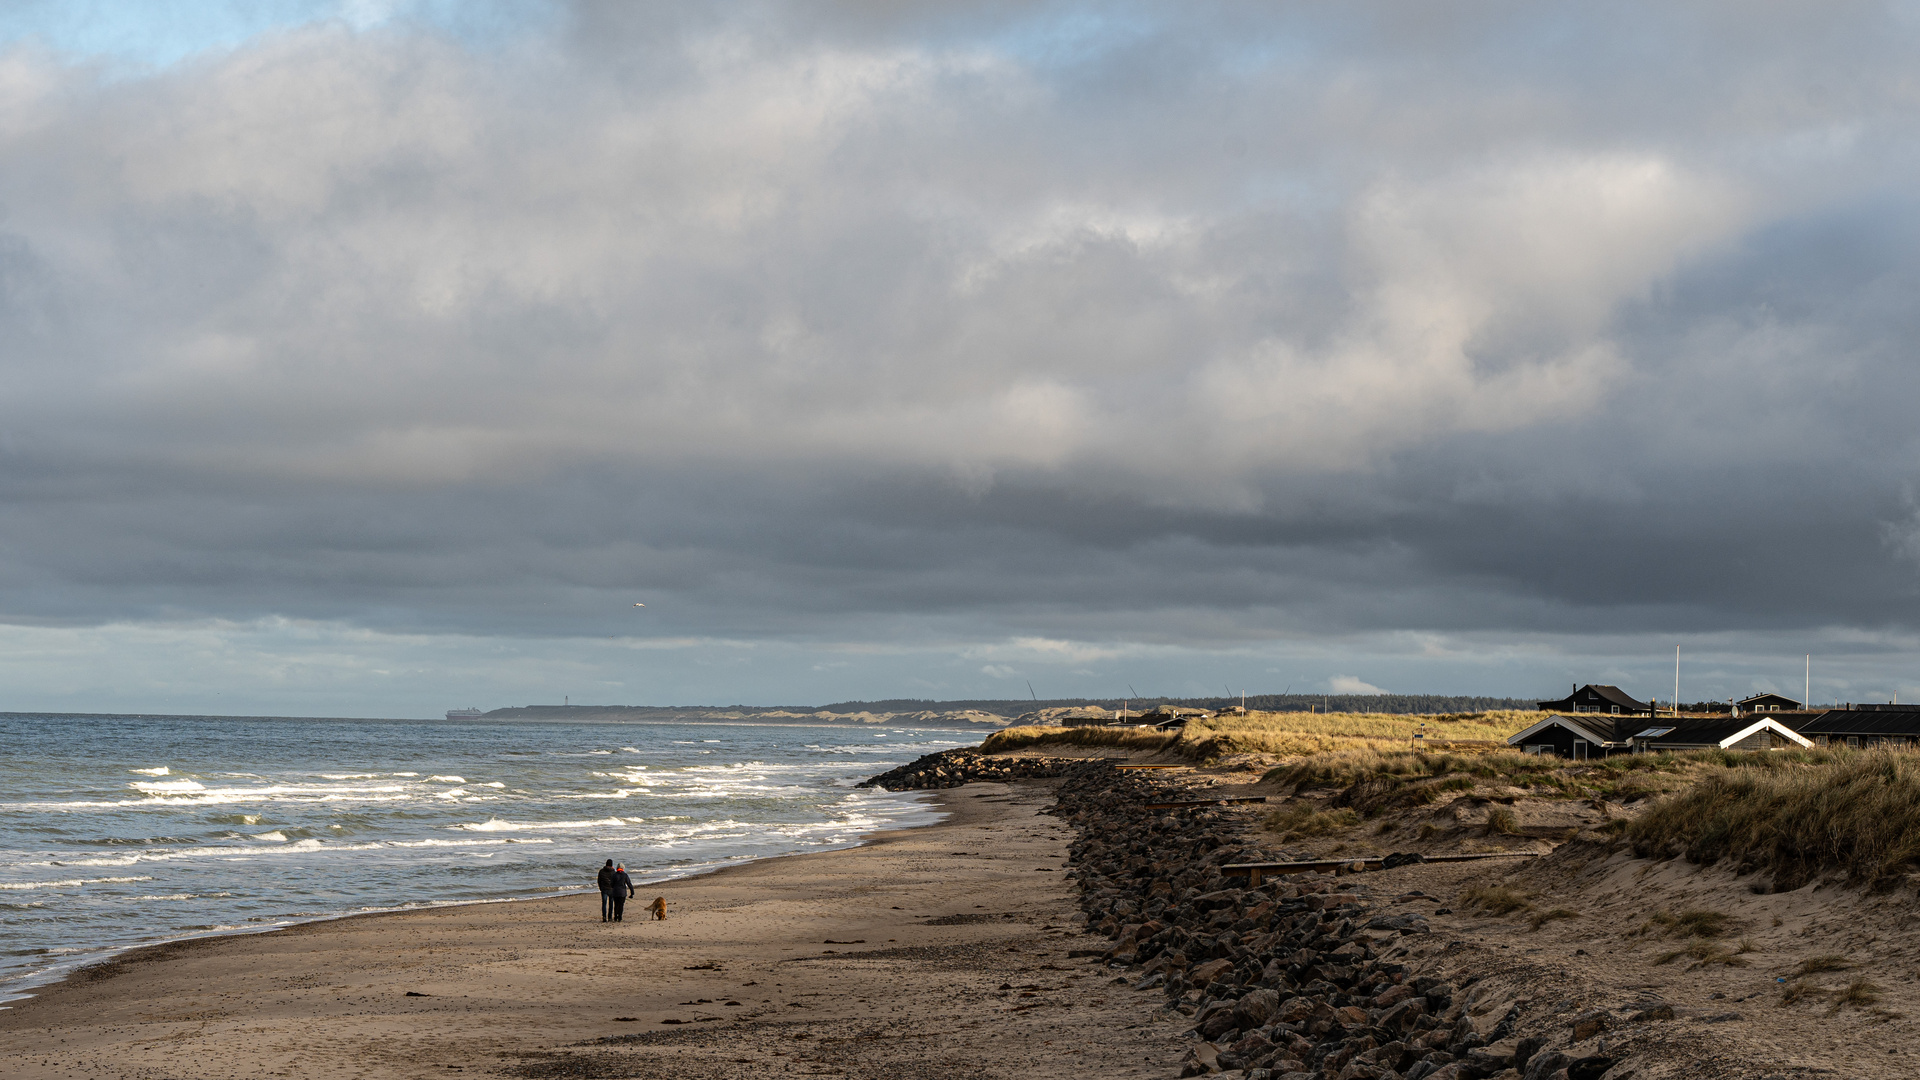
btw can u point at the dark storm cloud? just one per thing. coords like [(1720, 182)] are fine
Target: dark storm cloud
[(885, 323)]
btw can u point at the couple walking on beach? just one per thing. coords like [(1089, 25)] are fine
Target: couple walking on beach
[(616, 888)]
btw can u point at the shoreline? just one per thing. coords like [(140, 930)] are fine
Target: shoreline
[(934, 949), (29, 987)]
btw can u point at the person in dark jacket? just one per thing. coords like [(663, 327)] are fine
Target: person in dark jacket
[(606, 891), (622, 890)]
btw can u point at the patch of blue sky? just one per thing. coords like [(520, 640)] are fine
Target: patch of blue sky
[(145, 35), (1076, 35)]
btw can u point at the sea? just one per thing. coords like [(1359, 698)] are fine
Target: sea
[(124, 831)]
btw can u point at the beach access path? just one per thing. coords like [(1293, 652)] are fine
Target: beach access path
[(937, 952)]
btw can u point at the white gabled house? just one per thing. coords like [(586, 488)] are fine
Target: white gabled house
[(1592, 735)]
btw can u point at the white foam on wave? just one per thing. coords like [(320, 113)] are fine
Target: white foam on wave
[(452, 793), (376, 845), (188, 791), (161, 771), (163, 801), (122, 860), (234, 854), (500, 825), (350, 776), (447, 779), (493, 784), (274, 837), (69, 883), (444, 843)]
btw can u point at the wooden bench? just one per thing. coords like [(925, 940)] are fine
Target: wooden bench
[(1178, 803), (1254, 872)]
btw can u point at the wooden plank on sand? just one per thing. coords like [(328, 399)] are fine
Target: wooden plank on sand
[(1178, 803)]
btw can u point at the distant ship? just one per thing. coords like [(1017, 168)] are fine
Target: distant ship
[(464, 714)]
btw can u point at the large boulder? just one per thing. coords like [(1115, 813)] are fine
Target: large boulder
[(1256, 1008)]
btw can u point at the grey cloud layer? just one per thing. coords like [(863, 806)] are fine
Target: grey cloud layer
[(876, 322)]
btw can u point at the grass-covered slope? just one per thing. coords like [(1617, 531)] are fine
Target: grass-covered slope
[(1286, 734), (1796, 816)]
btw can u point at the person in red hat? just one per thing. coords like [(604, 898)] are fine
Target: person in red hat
[(622, 890)]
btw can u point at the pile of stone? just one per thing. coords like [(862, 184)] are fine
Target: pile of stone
[(1287, 981), (952, 768)]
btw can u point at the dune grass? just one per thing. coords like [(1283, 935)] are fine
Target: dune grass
[(1290, 733), (1691, 922), (1022, 738), (1376, 779), (1302, 819), (1857, 814), (1497, 899), (1345, 767), (1542, 918), (1857, 994), (1285, 734), (1703, 953), (1819, 964)]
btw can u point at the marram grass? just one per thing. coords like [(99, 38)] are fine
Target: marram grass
[(1285, 734), (1856, 814)]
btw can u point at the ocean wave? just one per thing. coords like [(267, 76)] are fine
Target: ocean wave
[(69, 883), (274, 837), (456, 843), (123, 860), (499, 825), (195, 789), (447, 779), (161, 771), (233, 854)]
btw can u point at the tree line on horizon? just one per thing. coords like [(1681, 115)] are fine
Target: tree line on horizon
[(1368, 703)]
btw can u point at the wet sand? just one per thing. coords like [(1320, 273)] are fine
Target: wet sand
[(931, 953)]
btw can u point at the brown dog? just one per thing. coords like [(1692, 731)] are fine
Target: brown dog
[(659, 908)]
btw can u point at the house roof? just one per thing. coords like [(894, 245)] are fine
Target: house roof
[(1770, 697), (1601, 732), (1721, 731), (1613, 695), (1881, 721)]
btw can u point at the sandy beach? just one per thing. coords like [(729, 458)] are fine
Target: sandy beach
[(933, 952)]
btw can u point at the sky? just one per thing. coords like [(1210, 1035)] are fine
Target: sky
[(377, 358)]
